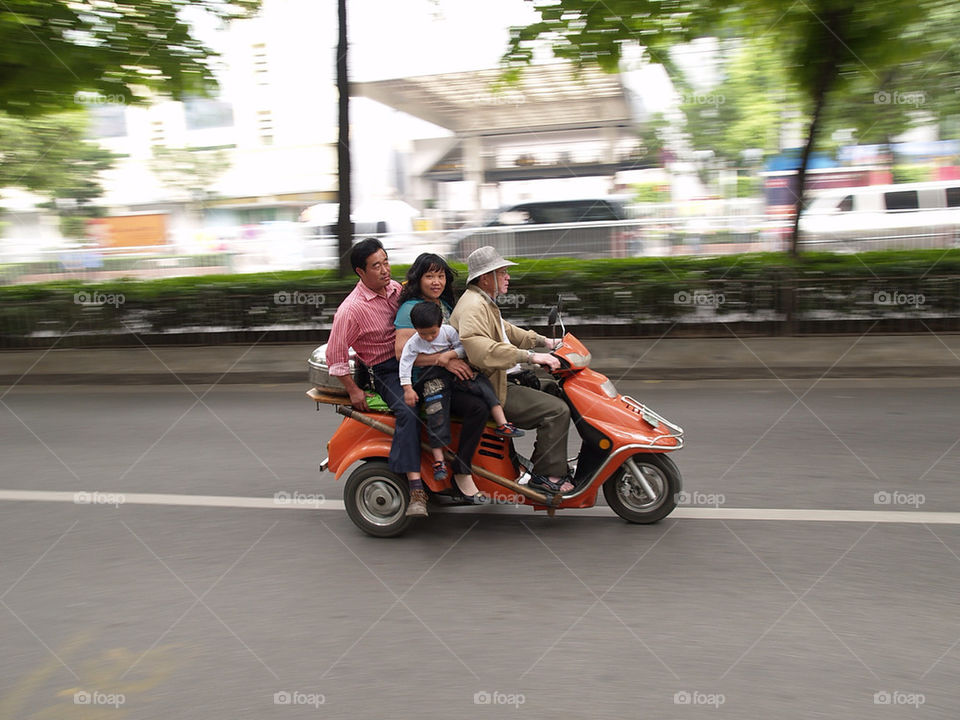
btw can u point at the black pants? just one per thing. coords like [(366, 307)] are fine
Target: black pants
[(443, 394)]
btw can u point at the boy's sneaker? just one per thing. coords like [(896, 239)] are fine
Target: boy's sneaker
[(509, 430), (417, 507), (440, 471)]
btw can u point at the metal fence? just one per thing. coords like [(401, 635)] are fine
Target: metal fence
[(655, 230)]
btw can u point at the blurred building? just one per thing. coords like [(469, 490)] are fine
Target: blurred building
[(217, 170), (273, 126), (577, 128), (261, 151)]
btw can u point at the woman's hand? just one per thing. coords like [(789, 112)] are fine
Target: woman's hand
[(452, 362)]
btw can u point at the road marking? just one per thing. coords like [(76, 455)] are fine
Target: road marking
[(312, 502)]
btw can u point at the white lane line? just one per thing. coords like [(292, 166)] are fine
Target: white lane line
[(313, 502), (91, 497)]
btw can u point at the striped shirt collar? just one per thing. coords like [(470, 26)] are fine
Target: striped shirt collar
[(367, 294)]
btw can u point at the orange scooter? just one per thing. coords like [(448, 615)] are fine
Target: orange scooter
[(623, 450)]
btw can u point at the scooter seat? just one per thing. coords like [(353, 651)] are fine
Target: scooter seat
[(374, 401)]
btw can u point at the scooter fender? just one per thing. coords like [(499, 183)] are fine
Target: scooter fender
[(626, 443), (353, 441)]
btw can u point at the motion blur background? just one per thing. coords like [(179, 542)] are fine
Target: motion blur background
[(693, 147)]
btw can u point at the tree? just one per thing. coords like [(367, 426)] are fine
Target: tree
[(344, 224), (832, 50), (192, 172), (746, 109), (125, 50), (52, 157)]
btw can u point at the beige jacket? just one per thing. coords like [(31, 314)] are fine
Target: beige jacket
[(477, 319)]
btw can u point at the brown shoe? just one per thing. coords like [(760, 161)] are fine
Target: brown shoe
[(417, 507)]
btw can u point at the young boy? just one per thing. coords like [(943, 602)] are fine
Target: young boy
[(433, 336)]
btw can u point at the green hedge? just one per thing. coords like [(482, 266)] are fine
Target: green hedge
[(921, 284)]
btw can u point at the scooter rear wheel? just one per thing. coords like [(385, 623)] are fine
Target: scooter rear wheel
[(376, 499), (628, 498)]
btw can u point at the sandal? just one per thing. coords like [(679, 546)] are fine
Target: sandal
[(545, 484), (508, 430)]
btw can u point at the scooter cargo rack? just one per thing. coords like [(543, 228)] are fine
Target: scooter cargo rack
[(654, 419)]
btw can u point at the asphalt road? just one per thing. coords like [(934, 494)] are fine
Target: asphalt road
[(134, 611)]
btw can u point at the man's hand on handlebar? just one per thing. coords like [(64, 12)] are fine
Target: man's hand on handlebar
[(545, 359), (554, 343)]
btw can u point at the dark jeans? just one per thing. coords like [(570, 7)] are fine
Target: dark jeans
[(405, 449), (443, 394)]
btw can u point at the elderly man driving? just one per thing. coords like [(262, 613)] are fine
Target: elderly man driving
[(497, 348)]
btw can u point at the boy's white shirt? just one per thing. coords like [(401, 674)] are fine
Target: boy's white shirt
[(447, 339)]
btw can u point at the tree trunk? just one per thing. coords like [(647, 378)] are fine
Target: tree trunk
[(835, 24), (344, 225), (818, 102)]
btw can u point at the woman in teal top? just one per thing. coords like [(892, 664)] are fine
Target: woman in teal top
[(430, 279)]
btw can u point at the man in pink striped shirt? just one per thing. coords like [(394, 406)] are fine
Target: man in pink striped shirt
[(364, 321)]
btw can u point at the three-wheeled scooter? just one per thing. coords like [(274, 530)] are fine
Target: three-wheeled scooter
[(624, 450)]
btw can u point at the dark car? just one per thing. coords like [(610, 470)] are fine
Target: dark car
[(556, 228)]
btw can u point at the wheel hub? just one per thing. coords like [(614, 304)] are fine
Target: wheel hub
[(380, 499), (631, 489)]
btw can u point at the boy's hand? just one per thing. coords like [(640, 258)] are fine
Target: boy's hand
[(410, 396)]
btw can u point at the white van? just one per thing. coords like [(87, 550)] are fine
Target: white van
[(390, 221), (912, 215)]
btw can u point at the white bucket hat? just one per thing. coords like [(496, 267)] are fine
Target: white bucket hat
[(484, 260)]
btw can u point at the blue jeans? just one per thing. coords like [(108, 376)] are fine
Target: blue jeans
[(405, 449)]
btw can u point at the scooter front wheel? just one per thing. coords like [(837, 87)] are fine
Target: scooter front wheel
[(644, 489), (376, 499)]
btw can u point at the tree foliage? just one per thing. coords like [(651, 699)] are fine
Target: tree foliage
[(51, 156), (189, 172), (746, 109), (122, 49), (846, 58)]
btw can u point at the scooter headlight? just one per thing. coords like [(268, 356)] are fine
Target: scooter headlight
[(578, 360), (609, 390)]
